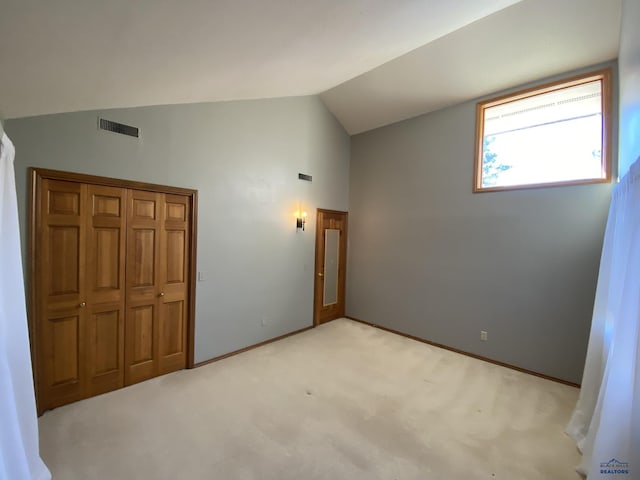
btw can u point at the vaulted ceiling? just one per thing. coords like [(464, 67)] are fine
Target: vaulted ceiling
[(373, 61)]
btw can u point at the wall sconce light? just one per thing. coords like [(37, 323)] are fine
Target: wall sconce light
[(301, 220)]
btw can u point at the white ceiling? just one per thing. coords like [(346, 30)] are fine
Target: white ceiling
[(70, 55), (525, 42)]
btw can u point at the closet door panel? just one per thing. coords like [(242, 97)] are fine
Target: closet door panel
[(175, 253), (143, 273), (105, 287), (105, 338), (60, 275), (105, 257), (174, 277), (64, 273), (142, 328), (172, 337), (61, 242), (140, 345), (105, 348), (62, 350), (63, 347)]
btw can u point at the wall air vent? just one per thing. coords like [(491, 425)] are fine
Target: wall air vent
[(303, 176), (115, 127)]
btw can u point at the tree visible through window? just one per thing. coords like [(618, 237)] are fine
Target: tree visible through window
[(549, 135)]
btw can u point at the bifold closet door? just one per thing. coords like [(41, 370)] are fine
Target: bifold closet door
[(174, 283), (61, 271), (80, 240), (105, 288), (157, 280)]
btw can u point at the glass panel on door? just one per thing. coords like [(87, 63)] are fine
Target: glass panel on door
[(331, 262)]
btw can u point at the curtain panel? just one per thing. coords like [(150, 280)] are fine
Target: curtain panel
[(19, 451), (606, 421)]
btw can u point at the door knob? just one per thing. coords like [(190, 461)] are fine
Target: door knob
[(320, 274), (83, 304), (161, 294)]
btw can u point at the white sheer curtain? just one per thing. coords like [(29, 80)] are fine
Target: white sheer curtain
[(19, 452), (606, 421)]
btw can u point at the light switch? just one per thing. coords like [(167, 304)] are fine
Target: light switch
[(201, 276)]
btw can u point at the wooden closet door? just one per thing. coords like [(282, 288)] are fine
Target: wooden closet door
[(110, 290), (81, 243), (174, 280), (142, 332), (105, 288), (61, 323), (157, 284)]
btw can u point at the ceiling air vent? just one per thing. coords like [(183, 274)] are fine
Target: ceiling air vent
[(115, 127)]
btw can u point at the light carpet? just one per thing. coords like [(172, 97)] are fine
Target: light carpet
[(341, 401)]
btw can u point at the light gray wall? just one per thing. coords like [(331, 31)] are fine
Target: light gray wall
[(629, 64), (244, 158), (431, 259)]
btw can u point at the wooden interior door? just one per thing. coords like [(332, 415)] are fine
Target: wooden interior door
[(60, 273), (105, 288), (331, 265)]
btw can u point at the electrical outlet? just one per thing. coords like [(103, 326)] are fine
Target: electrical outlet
[(483, 335)]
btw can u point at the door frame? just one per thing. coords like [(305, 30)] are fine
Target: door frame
[(342, 272), (36, 175)]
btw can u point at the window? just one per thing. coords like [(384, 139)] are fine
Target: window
[(555, 134)]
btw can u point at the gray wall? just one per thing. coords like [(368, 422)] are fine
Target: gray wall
[(629, 64), (431, 259), (244, 158)]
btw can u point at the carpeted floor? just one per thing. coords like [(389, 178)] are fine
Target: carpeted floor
[(342, 401)]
